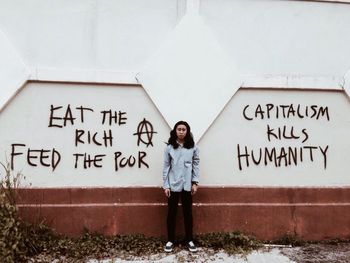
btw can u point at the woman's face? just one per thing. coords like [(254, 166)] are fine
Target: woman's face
[(181, 132)]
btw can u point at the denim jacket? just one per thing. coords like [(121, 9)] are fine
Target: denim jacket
[(180, 168)]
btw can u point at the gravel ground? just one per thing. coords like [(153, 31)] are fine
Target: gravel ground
[(310, 253), (207, 255)]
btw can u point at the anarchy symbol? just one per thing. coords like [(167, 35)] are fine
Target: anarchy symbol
[(145, 127)]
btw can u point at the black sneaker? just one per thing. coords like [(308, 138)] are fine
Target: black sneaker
[(168, 247), (191, 246)]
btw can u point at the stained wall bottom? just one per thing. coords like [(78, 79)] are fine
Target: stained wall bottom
[(265, 212)]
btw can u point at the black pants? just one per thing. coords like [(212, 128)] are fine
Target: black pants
[(186, 201)]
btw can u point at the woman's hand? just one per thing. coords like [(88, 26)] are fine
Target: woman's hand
[(167, 192), (194, 189)]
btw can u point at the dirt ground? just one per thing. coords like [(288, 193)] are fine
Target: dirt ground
[(320, 253)]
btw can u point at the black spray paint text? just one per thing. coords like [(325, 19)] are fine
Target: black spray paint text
[(285, 111), (35, 157), (63, 116), (283, 156), (280, 156)]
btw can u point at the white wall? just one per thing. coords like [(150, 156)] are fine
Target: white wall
[(13, 72), (273, 43), (291, 44), (282, 37), (107, 34), (220, 162), (261, 36), (26, 121)]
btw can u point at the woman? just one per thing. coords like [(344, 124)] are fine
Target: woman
[(180, 179)]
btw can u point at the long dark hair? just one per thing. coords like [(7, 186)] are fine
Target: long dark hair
[(188, 141)]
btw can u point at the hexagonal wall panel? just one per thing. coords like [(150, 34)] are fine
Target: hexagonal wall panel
[(190, 77)]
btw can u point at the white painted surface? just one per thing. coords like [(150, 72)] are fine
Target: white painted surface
[(104, 35), (346, 85), (261, 36), (109, 41), (26, 121), (293, 82), (81, 75), (190, 77), (283, 44), (121, 35), (282, 37), (219, 155), (13, 72)]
